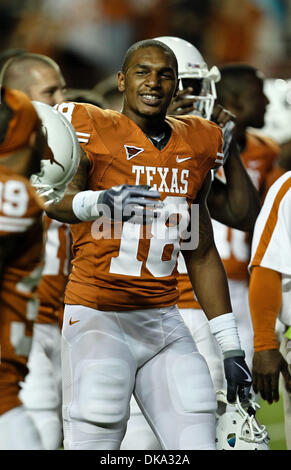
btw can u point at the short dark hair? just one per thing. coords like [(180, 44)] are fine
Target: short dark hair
[(234, 79), (144, 44)]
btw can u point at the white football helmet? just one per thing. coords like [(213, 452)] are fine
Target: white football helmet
[(191, 65), (62, 156), (238, 429)]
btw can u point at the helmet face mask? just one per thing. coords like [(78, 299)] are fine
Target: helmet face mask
[(237, 427), (61, 157), (204, 94), (195, 83), (193, 71)]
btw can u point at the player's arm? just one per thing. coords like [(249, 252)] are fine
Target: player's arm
[(209, 281), (121, 203), (204, 264), (265, 298), (236, 203)]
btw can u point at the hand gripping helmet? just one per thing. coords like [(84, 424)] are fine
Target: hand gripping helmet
[(193, 71), (62, 155), (237, 427)]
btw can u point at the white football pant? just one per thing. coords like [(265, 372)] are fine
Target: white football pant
[(107, 356), (41, 391), (18, 432)]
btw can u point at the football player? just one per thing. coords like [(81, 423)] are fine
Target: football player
[(269, 297), (233, 201), (41, 79), (21, 251), (239, 90), (122, 332)]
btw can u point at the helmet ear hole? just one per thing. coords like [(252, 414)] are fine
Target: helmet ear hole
[(231, 439)]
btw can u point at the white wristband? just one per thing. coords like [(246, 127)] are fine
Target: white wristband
[(225, 331), (85, 205)]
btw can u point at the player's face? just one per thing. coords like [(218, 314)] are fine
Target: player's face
[(149, 83), (47, 86), (254, 104)]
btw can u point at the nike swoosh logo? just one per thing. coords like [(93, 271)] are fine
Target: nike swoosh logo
[(71, 322), (180, 160), (249, 379)]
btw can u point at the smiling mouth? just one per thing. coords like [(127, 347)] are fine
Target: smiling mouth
[(150, 100)]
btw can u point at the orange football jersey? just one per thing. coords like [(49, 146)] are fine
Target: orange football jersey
[(118, 266), (259, 157), (55, 273), (21, 219)]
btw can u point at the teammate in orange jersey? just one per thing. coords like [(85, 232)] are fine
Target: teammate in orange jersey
[(269, 297), (241, 91), (122, 332), (21, 252), (41, 78)]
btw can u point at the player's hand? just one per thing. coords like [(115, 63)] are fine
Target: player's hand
[(181, 104), (226, 120), (221, 116), (238, 378), (133, 203), (267, 366)]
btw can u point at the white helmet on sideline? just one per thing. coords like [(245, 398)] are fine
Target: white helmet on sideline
[(238, 429), (62, 156), (191, 65)]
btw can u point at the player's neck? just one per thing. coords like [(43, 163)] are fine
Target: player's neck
[(150, 125)]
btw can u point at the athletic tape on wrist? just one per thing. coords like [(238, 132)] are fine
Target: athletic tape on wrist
[(225, 331), (85, 205)]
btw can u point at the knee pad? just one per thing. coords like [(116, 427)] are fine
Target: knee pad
[(193, 385), (104, 390)]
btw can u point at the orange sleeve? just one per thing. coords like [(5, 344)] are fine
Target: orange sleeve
[(265, 298)]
